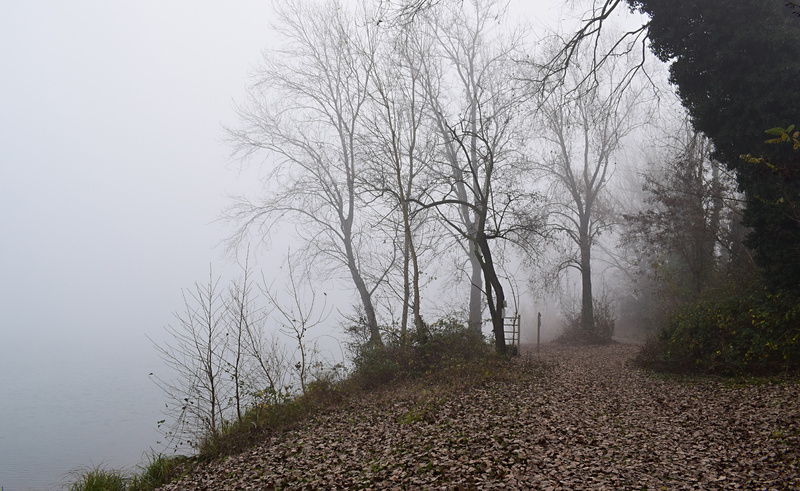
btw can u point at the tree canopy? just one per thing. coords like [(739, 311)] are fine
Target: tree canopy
[(735, 66)]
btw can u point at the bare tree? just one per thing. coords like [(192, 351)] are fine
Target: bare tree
[(591, 38), (475, 107), (401, 147), (257, 362), (297, 317), (691, 227), (304, 109), (239, 307), (403, 12), (198, 355), (585, 127), (269, 363)]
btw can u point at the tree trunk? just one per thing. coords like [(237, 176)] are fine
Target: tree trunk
[(475, 321), (587, 305), (369, 310), (495, 296), (410, 266), (410, 260), (475, 293), (415, 285), (361, 287), (406, 291)]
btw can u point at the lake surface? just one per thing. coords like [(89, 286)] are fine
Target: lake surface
[(65, 407)]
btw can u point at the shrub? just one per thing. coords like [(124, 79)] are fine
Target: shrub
[(272, 415), (757, 333), (257, 424), (601, 332), (444, 343)]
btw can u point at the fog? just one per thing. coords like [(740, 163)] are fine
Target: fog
[(112, 169), (113, 173)]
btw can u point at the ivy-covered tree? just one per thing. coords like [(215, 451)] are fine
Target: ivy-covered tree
[(736, 68)]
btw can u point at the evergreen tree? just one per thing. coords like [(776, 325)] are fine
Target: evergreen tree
[(736, 68)]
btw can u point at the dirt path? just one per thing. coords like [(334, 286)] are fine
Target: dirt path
[(568, 418)]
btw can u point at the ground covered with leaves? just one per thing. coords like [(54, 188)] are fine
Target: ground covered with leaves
[(565, 418)]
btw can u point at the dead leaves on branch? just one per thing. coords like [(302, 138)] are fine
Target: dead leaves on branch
[(577, 418)]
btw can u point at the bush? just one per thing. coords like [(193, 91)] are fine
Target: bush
[(757, 333), (273, 415), (601, 332), (446, 342), (257, 424)]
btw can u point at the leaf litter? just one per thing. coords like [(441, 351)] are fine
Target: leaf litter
[(567, 418)]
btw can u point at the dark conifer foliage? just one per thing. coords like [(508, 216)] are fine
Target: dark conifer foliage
[(736, 68)]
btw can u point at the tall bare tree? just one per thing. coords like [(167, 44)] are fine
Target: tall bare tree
[(304, 108), (475, 107), (584, 125), (402, 148)]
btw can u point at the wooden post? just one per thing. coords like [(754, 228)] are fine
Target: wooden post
[(538, 331)]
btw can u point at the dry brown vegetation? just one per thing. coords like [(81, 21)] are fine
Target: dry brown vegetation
[(568, 418)]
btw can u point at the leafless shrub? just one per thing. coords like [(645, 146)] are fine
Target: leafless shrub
[(600, 331), (224, 360)]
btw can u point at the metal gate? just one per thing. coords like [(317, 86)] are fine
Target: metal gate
[(511, 327)]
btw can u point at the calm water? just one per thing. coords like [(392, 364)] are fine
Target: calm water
[(66, 409)]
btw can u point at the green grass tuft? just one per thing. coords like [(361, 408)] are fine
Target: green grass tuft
[(98, 479), (158, 471)]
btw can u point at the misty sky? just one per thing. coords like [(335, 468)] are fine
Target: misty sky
[(112, 168), (112, 171), (113, 174)]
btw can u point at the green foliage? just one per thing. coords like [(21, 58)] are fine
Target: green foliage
[(757, 333), (784, 135), (377, 366), (734, 66), (778, 201)]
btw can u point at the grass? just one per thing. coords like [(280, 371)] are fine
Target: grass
[(159, 470), (97, 479)]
